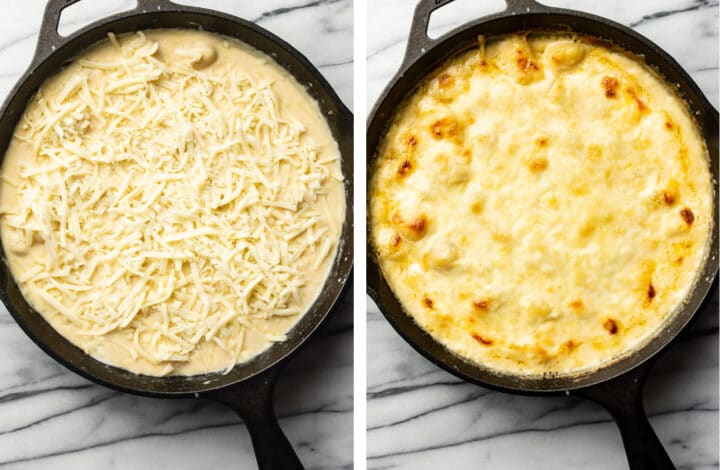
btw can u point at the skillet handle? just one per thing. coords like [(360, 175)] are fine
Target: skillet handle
[(418, 40), (252, 399), (49, 39), (515, 7), (622, 398)]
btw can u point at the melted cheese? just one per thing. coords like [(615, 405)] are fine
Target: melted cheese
[(171, 202), (541, 204)]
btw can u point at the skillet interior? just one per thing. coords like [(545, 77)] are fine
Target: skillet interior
[(405, 83), (340, 121)]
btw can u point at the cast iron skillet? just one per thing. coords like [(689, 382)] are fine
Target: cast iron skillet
[(617, 386), (248, 387)]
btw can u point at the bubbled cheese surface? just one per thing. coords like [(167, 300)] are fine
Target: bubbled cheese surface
[(541, 204)]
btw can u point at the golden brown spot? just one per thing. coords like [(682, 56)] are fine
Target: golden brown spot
[(483, 63), (476, 207), (445, 127), (569, 345), (525, 64), (610, 85), (611, 326), (641, 106), (418, 225), (445, 80), (687, 215), (428, 302), (395, 240), (577, 304), (481, 304), (542, 142), (412, 141), (396, 219), (668, 125), (404, 167), (651, 291), (538, 164), (481, 339), (467, 155), (668, 198)]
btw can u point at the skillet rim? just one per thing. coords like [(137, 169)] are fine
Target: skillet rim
[(340, 121)]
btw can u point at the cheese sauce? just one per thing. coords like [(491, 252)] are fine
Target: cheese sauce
[(172, 202), (541, 204)]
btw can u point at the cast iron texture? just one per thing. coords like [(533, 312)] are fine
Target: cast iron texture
[(609, 385), (248, 387)]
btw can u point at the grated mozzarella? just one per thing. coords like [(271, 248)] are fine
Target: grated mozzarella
[(177, 206)]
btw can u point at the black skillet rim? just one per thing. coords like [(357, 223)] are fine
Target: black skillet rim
[(340, 121), (529, 20)]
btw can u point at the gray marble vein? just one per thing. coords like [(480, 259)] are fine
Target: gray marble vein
[(51, 418), (419, 416)]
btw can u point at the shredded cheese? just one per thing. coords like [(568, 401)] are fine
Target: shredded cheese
[(175, 206)]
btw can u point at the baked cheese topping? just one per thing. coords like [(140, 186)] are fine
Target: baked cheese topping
[(541, 204), (172, 202)]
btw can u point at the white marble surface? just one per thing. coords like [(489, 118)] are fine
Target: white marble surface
[(51, 418), (421, 417)]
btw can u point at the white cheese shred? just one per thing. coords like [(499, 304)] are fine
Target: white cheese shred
[(154, 188)]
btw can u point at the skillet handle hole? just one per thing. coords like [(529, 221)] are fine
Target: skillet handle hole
[(442, 19), (84, 12)]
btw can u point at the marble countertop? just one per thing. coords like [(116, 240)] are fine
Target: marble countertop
[(51, 418), (419, 416)]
